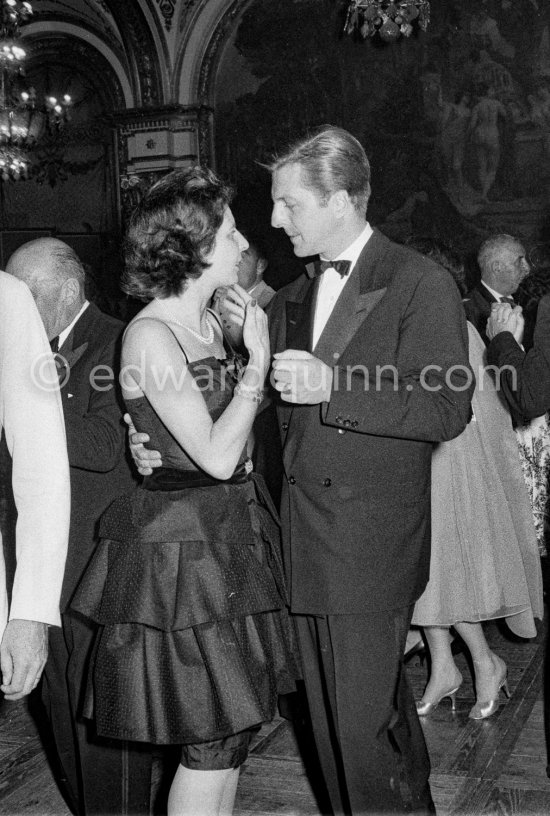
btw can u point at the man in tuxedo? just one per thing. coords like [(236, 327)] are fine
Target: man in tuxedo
[(31, 421), (503, 264), (371, 368), (98, 776)]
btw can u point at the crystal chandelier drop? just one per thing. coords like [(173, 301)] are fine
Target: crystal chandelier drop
[(390, 19), (13, 14), (13, 130), (23, 118)]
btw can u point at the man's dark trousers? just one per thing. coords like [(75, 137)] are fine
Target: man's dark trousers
[(124, 768), (350, 663)]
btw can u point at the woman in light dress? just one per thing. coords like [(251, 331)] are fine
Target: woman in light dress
[(484, 562)]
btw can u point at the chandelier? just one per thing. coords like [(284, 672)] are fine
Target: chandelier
[(14, 13), (23, 118), (390, 19)]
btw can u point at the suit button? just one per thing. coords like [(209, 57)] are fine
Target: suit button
[(341, 431), (338, 420), (327, 483), (347, 423), (291, 480), (354, 424), (284, 426)]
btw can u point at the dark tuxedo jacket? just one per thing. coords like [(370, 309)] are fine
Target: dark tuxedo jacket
[(524, 378), (477, 305), (356, 497), (95, 433)]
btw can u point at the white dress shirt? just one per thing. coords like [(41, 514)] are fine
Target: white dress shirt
[(66, 331), (498, 297), (331, 283)]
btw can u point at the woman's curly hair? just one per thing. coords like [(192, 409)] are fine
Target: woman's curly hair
[(172, 231)]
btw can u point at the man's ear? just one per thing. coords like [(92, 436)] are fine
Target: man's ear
[(341, 202), (261, 266), (70, 291)]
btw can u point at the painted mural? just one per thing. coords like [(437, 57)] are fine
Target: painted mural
[(456, 120)]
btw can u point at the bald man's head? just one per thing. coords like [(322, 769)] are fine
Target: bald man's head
[(503, 263), (251, 267), (54, 274)]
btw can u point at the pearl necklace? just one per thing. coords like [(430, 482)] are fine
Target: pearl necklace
[(207, 340)]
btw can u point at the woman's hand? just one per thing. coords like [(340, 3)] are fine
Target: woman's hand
[(230, 303), (256, 338), (505, 318)]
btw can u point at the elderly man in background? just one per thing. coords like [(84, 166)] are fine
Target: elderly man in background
[(503, 264), (251, 275), (98, 777), (251, 271), (31, 419)]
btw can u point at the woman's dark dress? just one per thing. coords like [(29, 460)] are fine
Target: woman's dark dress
[(195, 641)]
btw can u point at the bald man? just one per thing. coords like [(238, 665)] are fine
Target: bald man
[(97, 777), (503, 264)]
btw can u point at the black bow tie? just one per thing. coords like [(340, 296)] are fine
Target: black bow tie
[(509, 300), (342, 267)]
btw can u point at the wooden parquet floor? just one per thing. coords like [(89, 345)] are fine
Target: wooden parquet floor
[(494, 767)]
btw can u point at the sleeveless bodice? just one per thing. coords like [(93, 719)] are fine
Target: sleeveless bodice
[(216, 380)]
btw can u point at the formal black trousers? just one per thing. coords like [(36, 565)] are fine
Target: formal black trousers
[(370, 743), (98, 776)]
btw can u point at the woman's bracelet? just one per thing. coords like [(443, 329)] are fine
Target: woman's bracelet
[(248, 392)]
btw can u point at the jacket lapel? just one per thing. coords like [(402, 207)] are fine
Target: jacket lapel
[(299, 326), (366, 287), (299, 318), (81, 330), (485, 294), (75, 343), (351, 309), (364, 290)]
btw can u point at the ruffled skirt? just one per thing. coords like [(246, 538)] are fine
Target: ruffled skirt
[(195, 641)]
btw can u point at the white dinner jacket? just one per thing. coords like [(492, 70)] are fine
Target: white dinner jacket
[(32, 418)]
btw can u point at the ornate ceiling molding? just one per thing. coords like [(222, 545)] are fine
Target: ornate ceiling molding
[(167, 9), (187, 8), (141, 51), (106, 33), (76, 53), (213, 52), (103, 5)]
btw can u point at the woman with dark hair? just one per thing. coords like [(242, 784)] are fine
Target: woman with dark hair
[(194, 641)]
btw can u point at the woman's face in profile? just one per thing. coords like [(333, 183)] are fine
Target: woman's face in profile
[(226, 254)]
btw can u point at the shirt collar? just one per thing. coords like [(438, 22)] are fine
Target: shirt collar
[(494, 293), (352, 252), (65, 333)]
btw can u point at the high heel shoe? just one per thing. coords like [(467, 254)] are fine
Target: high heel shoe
[(424, 708), (482, 710), (418, 651)]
